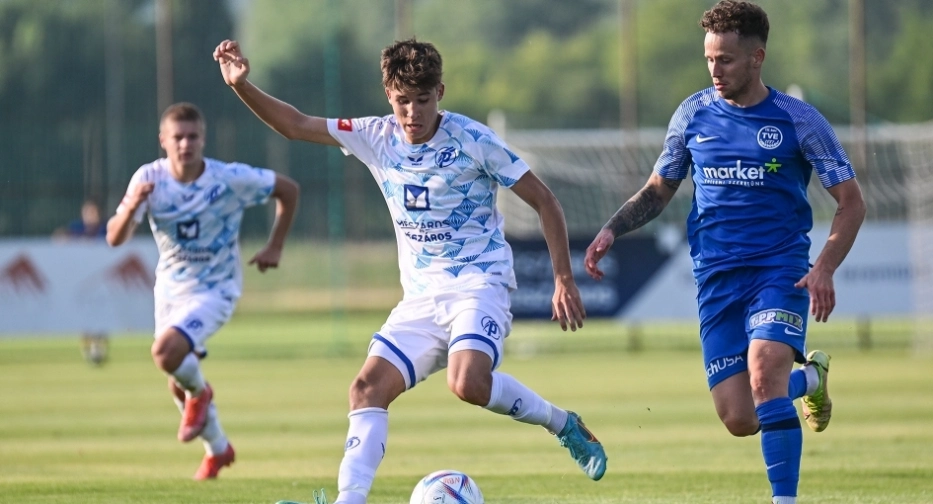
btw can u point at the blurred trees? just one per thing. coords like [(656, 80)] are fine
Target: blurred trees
[(546, 63)]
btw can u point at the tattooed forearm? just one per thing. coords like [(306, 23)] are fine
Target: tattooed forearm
[(645, 205)]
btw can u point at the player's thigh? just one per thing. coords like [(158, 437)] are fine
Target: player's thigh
[(778, 310), (723, 339), (195, 318), (479, 320), (411, 340)]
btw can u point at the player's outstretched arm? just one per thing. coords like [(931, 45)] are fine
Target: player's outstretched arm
[(278, 115), (121, 226), (641, 208), (286, 194), (567, 306), (850, 212)]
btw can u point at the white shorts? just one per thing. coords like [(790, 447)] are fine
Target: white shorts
[(423, 330), (196, 317)]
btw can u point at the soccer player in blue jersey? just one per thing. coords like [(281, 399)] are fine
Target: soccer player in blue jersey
[(750, 151), (195, 206), (439, 173)]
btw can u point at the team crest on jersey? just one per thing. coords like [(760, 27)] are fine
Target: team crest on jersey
[(770, 137), (345, 124), (213, 193), (445, 157), (188, 230), (416, 198)]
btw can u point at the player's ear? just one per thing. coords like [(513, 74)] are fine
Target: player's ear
[(440, 91), (759, 56), (388, 95)]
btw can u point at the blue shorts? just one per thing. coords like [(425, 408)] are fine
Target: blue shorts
[(740, 305)]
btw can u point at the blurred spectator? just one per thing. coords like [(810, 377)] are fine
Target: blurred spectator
[(88, 226), (94, 344)]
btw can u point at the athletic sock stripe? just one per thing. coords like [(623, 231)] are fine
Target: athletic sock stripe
[(787, 424)]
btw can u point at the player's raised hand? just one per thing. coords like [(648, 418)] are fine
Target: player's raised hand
[(233, 65), (822, 293), (596, 251), (137, 194), (267, 258), (567, 306)]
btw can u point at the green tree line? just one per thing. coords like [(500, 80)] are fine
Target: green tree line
[(78, 82)]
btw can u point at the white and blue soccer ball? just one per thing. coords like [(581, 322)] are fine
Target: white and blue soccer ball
[(447, 487)]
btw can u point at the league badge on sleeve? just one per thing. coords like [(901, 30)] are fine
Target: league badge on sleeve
[(345, 124)]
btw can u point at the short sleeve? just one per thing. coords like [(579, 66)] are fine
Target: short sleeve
[(357, 136), (498, 161), (144, 174), (821, 148), (252, 186), (674, 161)]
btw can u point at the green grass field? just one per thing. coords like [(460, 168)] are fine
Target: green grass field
[(72, 433)]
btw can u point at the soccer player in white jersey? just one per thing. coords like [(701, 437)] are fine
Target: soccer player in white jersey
[(751, 151), (195, 206), (439, 173)]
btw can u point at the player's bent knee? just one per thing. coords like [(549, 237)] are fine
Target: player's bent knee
[(473, 391), (369, 394), (740, 426), (164, 356)]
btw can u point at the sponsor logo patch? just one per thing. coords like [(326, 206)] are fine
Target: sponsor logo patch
[(776, 316), (416, 198)]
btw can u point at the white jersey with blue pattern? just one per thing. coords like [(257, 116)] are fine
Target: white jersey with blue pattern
[(442, 197), (196, 225), (751, 167)]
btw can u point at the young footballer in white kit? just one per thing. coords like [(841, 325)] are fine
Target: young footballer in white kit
[(195, 206), (439, 173)]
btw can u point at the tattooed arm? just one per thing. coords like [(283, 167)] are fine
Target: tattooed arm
[(645, 205)]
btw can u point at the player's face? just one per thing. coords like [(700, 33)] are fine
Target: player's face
[(183, 142), (734, 64), (416, 111)]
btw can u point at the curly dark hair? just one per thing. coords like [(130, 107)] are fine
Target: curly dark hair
[(744, 18), (410, 65)]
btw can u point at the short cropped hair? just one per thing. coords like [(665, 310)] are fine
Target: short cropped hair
[(744, 18), (183, 111), (410, 65)]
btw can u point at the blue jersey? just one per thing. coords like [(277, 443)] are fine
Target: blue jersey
[(750, 168)]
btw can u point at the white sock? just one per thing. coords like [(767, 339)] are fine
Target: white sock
[(813, 381), (783, 500), (510, 397), (213, 436), (363, 452), (188, 375)]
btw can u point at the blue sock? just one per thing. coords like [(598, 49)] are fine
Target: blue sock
[(781, 444), (798, 384)]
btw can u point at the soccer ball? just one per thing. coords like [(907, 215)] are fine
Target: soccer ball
[(447, 487)]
